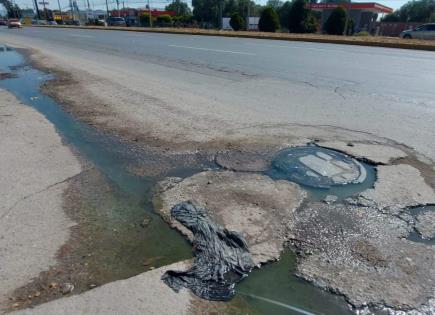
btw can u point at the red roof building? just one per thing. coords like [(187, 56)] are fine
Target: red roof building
[(364, 14)]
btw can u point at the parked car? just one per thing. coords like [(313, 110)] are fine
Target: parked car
[(39, 22), (3, 22), (14, 23), (425, 31), (52, 23), (116, 21)]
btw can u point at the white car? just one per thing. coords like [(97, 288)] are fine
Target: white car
[(14, 23), (425, 31)]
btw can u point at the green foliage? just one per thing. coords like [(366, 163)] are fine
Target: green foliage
[(269, 20), (310, 22), (283, 13), (144, 19), (164, 20), (391, 17), (336, 22), (180, 7), (237, 22), (206, 11), (296, 16), (414, 11)]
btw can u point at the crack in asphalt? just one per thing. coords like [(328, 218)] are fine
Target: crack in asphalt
[(338, 93), (2, 216)]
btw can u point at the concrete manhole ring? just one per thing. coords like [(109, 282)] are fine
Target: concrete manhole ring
[(318, 167)]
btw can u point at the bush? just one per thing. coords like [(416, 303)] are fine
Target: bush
[(269, 20), (237, 22), (296, 16), (336, 22), (144, 19), (310, 23), (164, 20)]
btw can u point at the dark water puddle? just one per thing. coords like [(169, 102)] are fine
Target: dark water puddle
[(274, 289), (116, 243), (114, 202), (414, 235)]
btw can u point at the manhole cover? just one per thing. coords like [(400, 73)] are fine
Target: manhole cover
[(318, 167)]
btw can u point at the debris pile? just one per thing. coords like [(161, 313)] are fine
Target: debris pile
[(222, 257)]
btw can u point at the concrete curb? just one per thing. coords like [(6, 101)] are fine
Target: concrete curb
[(388, 42)]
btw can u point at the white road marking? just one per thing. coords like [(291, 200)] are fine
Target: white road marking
[(287, 306), (290, 46), (83, 36), (215, 50)]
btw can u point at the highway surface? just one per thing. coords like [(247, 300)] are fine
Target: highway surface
[(387, 92)]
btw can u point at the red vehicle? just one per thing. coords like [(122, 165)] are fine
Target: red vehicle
[(3, 22), (14, 23)]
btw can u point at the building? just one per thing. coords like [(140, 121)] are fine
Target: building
[(363, 14), (253, 23), (131, 15)]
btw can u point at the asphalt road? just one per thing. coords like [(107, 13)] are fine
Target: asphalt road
[(387, 92)]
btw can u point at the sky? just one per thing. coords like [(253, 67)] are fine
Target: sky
[(101, 4)]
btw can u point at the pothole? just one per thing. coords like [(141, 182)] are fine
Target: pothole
[(424, 224)]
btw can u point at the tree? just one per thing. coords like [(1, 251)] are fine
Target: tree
[(296, 16), (336, 22), (164, 20), (414, 11), (236, 21), (144, 19), (180, 7), (206, 12), (283, 13), (310, 22), (269, 20)]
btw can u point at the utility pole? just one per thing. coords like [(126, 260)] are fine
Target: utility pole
[(60, 11), (107, 10), (248, 13), (221, 10), (72, 10), (37, 10), (346, 25), (45, 10), (149, 11), (117, 8)]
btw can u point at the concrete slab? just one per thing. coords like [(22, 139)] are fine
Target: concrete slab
[(398, 187), (254, 205), (376, 153), (142, 294), (35, 167)]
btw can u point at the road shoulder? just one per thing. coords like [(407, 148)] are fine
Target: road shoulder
[(35, 167)]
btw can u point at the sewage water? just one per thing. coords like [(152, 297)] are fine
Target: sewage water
[(274, 289), (115, 202), (414, 235), (112, 230)]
